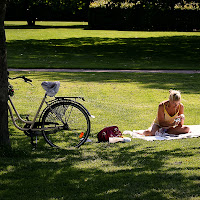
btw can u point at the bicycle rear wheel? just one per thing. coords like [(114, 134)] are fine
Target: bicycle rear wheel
[(67, 125)]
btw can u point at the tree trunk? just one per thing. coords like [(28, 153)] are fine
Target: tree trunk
[(4, 136)]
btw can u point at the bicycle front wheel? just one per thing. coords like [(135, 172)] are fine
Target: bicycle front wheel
[(66, 125)]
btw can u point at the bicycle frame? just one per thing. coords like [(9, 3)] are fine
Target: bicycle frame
[(22, 120), (32, 123)]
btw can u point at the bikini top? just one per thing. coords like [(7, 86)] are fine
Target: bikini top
[(168, 118)]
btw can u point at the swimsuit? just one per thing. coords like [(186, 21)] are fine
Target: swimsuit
[(168, 118)]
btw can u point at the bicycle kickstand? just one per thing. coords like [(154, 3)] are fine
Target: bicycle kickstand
[(34, 144)]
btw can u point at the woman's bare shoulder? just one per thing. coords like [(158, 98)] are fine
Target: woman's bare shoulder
[(163, 103)]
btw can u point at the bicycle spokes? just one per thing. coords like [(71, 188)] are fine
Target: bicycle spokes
[(71, 123)]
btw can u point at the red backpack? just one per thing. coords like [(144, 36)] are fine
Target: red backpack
[(111, 131)]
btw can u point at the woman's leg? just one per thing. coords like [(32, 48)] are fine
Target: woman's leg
[(179, 130), (151, 131)]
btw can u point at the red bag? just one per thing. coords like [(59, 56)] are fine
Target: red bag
[(111, 131)]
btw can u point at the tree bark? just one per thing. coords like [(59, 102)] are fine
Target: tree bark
[(4, 135)]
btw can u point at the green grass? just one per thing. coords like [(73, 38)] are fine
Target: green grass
[(73, 45), (136, 170)]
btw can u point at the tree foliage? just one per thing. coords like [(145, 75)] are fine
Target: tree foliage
[(32, 10), (147, 4)]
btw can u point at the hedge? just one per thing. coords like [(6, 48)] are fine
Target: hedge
[(144, 19)]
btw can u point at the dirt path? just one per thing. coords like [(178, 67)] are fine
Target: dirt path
[(104, 70)]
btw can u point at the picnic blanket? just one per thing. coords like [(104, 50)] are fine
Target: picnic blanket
[(195, 132)]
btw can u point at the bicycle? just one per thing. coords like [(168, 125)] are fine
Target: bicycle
[(63, 123)]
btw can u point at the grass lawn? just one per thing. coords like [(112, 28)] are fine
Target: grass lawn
[(73, 45), (136, 170)]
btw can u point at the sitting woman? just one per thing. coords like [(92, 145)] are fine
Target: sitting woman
[(170, 117)]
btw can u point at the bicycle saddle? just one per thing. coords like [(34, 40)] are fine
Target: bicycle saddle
[(51, 87)]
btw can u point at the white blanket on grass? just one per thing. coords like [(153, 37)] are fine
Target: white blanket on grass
[(195, 132)]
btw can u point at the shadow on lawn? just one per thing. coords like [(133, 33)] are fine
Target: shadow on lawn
[(106, 53), (74, 175)]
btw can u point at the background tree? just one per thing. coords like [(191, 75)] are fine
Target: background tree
[(4, 136), (62, 10)]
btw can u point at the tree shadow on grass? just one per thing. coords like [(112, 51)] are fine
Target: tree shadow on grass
[(121, 172), (106, 53)]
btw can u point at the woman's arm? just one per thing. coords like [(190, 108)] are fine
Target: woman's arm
[(181, 114)]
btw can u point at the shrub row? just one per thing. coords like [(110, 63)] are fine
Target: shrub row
[(144, 19)]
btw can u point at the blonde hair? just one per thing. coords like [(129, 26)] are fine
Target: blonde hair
[(174, 95)]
